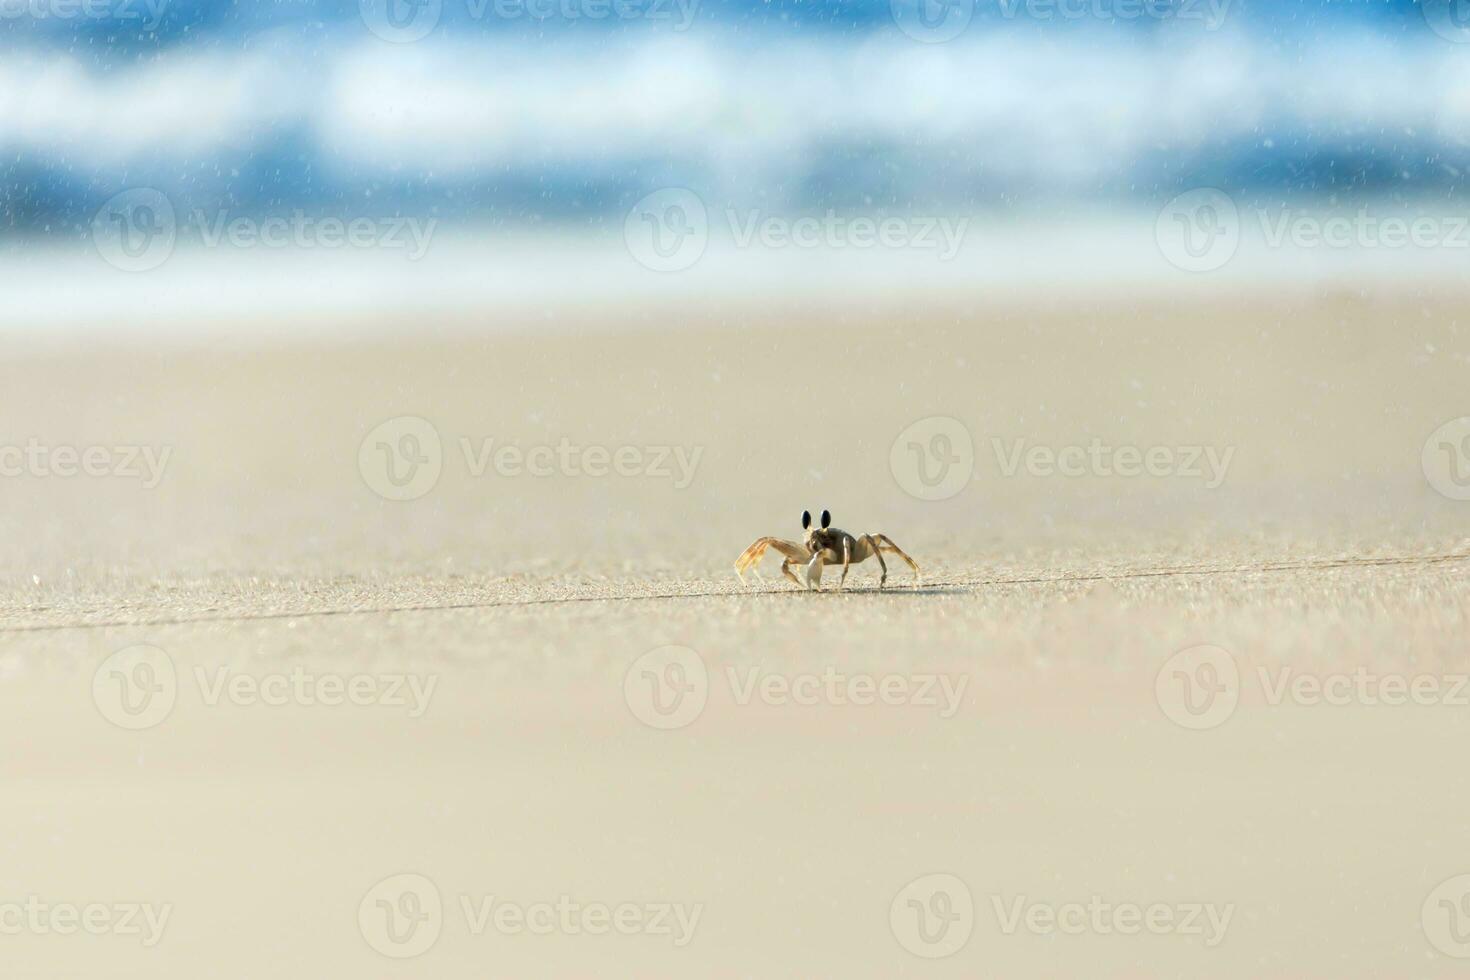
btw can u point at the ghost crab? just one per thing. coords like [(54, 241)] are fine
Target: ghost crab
[(823, 546)]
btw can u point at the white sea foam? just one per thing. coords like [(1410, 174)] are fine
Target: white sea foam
[(782, 117)]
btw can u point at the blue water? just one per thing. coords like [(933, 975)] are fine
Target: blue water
[(565, 119)]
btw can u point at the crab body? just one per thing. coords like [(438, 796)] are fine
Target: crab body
[(822, 546)]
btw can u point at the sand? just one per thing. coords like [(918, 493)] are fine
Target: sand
[(1022, 724)]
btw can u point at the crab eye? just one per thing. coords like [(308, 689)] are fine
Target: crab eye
[(806, 519), (826, 519)]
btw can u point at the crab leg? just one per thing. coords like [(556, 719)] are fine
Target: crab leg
[(752, 556)]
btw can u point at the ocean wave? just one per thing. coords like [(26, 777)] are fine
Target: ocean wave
[(577, 127)]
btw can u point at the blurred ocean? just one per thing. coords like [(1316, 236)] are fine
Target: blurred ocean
[(257, 104), (517, 118)]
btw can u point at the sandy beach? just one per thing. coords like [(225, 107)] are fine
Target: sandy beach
[(426, 657)]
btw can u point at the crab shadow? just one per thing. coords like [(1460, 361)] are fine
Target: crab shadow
[(894, 591)]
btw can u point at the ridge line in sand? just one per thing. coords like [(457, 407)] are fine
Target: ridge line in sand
[(927, 588)]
